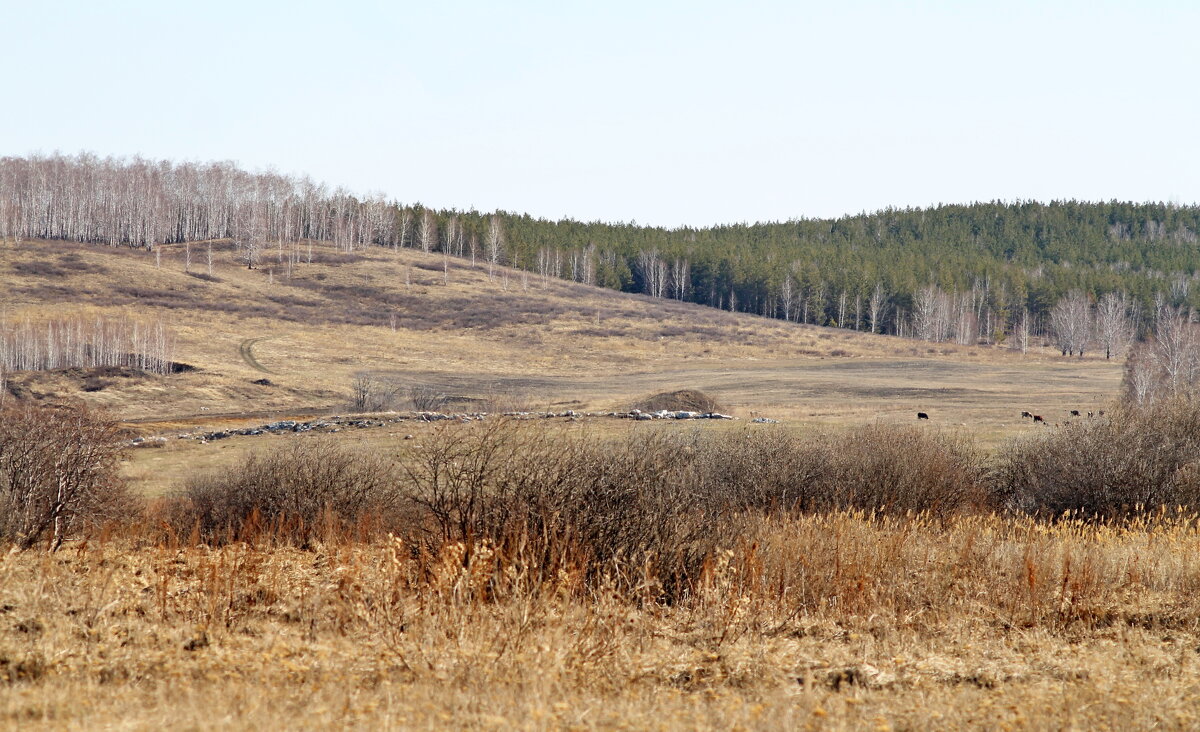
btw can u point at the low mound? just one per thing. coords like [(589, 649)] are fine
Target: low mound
[(684, 400)]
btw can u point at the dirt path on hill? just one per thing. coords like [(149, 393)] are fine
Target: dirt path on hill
[(246, 349)]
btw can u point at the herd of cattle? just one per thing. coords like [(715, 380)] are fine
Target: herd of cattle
[(1036, 417)]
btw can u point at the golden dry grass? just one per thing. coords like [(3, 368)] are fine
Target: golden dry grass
[(818, 622), (826, 622)]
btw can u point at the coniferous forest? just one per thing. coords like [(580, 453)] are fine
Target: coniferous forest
[(992, 272)]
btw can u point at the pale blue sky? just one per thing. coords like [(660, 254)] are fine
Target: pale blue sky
[(662, 112)]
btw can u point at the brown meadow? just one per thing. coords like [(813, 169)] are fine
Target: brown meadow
[(843, 570), (834, 621)]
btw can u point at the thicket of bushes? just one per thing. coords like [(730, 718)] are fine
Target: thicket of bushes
[(1132, 461), (663, 499), (295, 492)]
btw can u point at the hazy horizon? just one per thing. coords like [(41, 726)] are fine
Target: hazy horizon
[(669, 115)]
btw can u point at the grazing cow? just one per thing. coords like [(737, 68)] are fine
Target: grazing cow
[(922, 415), (1038, 418), (1026, 415), (1090, 415), (1101, 412), (1074, 412)]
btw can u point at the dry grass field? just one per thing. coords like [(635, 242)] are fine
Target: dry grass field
[(545, 343), (823, 622), (805, 620)]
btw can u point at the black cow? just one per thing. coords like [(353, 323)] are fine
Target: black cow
[(922, 415), (1026, 415), (1074, 412)]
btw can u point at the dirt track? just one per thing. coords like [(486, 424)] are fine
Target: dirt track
[(246, 349)]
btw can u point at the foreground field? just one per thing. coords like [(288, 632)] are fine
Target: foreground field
[(832, 622)]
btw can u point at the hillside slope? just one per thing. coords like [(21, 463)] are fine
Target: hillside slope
[(416, 321), (980, 267)]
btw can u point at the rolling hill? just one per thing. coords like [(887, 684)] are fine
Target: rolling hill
[(412, 321)]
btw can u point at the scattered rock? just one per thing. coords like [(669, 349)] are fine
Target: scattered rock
[(338, 423), (148, 442)]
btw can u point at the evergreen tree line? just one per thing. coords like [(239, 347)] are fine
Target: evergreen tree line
[(981, 272)]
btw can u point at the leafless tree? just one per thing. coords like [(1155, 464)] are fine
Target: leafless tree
[(450, 236), (427, 232), (681, 279), (931, 314), (787, 296), (1071, 323), (404, 225), (1020, 334), (654, 271), (1114, 327), (495, 243), (876, 306), (1175, 349)]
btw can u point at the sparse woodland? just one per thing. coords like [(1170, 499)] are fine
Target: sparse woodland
[(1085, 275), (79, 342)]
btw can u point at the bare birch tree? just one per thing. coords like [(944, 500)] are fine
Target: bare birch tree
[(494, 243), (427, 232), (1114, 328), (1071, 323), (876, 306), (787, 296)]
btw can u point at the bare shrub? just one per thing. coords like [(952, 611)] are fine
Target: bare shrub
[(762, 469), (664, 499), (898, 469), (427, 399), (371, 393), (889, 469), (1133, 460), (567, 501), (58, 474), (290, 494), (364, 388)]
